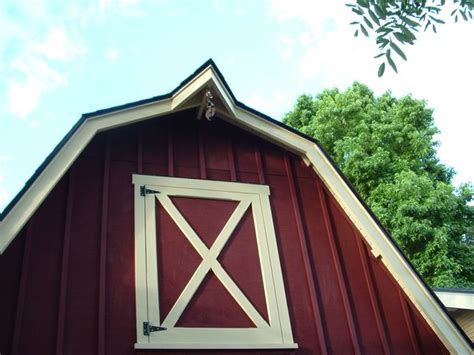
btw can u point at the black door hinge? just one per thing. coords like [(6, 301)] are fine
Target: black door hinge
[(148, 328), (144, 191)]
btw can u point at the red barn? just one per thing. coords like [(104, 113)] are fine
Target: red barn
[(190, 223)]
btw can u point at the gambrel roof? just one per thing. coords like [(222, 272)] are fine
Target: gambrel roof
[(190, 93)]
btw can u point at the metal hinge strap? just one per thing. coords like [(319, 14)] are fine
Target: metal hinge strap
[(148, 328), (144, 191)]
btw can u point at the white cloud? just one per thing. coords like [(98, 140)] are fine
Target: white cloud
[(324, 50), (59, 45), (111, 54), (270, 103), (286, 47), (325, 54), (4, 194), (126, 7), (32, 71), (237, 8), (38, 77)]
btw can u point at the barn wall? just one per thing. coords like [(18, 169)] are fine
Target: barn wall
[(70, 272)]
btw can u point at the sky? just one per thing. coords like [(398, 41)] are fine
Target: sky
[(59, 59)]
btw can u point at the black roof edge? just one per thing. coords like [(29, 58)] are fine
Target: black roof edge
[(87, 115), (153, 99), (211, 63)]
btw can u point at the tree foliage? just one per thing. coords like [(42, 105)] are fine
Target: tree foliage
[(386, 148), (396, 22)]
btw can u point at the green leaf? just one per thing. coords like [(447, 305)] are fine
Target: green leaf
[(401, 37), (463, 14), (356, 33), (358, 11), (434, 29), (379, 55), (381, 70), (384, 28), (374, 17), (427, 25), (456, 18), (408, 34), (368, 22), (382, 42), (409, 22), (364, 31), (390, 61), (386, 148), (398, 50), (397, 172), (379, 11), (437, 20)]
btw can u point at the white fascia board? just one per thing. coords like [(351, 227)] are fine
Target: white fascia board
[(57, 167), (208, 77), (390, 256), (369, 229), (458, 300), (273, 132), (43, 184)]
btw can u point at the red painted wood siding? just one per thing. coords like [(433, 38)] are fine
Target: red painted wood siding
[(68, 278)]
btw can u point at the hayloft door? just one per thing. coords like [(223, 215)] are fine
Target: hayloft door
[(207, 268)]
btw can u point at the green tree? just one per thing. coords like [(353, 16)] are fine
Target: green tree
[(386, 147), (396, 22)]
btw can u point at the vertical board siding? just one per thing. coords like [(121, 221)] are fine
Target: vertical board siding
[(14, 272), (231, 161), (170, 148), (120, 279), (409, 324), (428, 343), (269, 166), (104, 213), (357, 284), (40, 312), (81, 313), (315, 303), (339, 268), (392, 309), (202, 159), (374, 301), (65, 262), (340, 299), (140, 149)]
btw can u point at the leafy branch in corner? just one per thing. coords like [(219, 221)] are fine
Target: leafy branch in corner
[(396, 23)]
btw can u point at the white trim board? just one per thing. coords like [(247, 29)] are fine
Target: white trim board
[(308, 150), (456, 299)]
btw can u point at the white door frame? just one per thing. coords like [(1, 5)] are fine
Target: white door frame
[(276, 333)]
